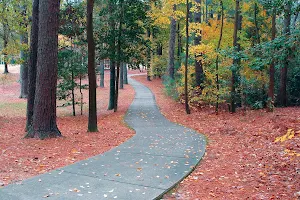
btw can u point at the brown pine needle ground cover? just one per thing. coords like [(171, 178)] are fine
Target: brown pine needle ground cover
[(242, 160), (24, 158)]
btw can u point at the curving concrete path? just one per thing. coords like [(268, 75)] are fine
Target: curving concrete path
[(145, 167)]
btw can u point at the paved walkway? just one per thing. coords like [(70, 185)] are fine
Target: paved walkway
[(145, 167)]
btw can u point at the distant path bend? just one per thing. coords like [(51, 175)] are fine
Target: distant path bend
[(145, 167)]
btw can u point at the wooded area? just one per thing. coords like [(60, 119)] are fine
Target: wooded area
[(230, 54), (225, 56)]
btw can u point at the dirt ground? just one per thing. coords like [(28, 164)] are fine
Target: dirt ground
[(242, 160)]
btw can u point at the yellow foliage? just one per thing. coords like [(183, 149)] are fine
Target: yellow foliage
[(161, 15), (246, 7)]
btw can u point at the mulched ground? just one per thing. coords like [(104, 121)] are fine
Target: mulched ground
[(242, 160), (23, 158)]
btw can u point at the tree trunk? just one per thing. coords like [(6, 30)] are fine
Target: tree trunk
[(217, 60), (206, 11), (159, 49), (24, 57), (186, 92), (32, 63), (172, 41), (236, 45), (119, 56), (81, 95), (272, 68), (148, 56), (112, 50), (92, 124), (24, 67), (73, 93), (197, 41), (117, 87), (179, 46), (257, 36), (125, 74), (284, 69), (5, 43), (122, 76), (102, 74), (44, 116)]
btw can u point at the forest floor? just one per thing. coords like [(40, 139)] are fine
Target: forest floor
[(23, 158), (242, 160)]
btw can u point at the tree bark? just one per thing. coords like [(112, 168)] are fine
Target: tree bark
[(44, 116), (186, 92), (81, 95), (73, 93), (102, 74), (172, 41), (24, 57), (283, 79), (159, 49), (5, 43), (206, 11), (32, 63), (217, 60), (236, 46), (119, 56), (257, 36), (125, 74), (179, 46), (122, 76), (197, 41), (24, 67), (92, 124), (112, 50), (148, 56), (272, 68)]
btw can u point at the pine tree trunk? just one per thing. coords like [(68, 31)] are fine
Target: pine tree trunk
[(206, 11), (197, 41), (119, 56), (117, 87), (179, 46), (24, 68), (172, 41), (102, 74), (122, 76), (217, 60), (24, 57), (125, 74), (186, 92), (148, 57), (257, 36), (32, 63), (44, 116), (234, 70), (283, 78), (112, 50), (73, 93), (92, 124), (5, 43), (272, 68), (81, 95)]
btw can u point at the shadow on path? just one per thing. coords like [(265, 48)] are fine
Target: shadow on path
[(145, 167)]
